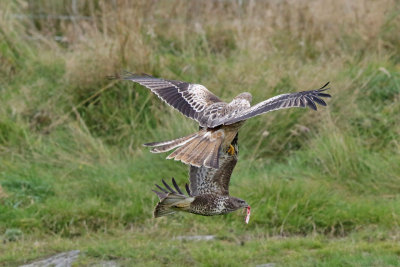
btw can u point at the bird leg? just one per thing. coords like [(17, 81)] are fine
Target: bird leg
[(231, 150)]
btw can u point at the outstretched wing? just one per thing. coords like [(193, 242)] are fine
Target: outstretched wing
[(213, 181), (300, 99), (190, 99), (163, 193)]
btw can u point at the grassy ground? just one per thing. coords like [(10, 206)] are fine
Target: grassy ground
[(323, 186)]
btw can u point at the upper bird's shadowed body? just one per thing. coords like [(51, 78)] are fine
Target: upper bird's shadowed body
[(219, 121)]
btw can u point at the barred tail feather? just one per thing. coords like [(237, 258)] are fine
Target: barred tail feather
[(159, 147), (213, 159), (197, 153), (185, 149), (202, 150), (202, 153), (198, 149)]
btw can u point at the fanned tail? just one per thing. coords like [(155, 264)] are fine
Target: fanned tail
[(199, 149), (171, 201), (159, 147)]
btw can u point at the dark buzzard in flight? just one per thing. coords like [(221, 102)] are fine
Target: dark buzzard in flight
[(207, 192), (219, 121)]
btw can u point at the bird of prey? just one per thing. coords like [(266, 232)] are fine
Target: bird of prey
[(207, 192), (219, 121)]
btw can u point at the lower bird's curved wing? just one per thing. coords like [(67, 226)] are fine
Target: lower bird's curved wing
[(299, 99), (205, 180)]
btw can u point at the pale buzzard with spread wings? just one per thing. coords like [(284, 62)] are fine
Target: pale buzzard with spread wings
[(219, 121)]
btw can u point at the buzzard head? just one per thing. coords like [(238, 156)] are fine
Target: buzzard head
[(235, 203), (246, 96)]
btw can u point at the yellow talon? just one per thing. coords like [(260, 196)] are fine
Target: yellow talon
[(231, 150)]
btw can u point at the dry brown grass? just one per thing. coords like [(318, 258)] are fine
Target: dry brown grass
[(265, 47), (126, 34)]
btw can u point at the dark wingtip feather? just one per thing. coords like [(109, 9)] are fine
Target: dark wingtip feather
[(187, 189), (310, 103), (323, 87), (168, 187), (164, 192), (162, 189), (319, 101), (323, 95), (176, 186)]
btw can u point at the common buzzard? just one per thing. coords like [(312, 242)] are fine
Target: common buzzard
[(207, 192), (219, 121)]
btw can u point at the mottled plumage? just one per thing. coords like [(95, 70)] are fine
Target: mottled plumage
[(220, 121), (207, 192)]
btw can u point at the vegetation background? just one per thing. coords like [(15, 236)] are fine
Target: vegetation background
[(324, 186)]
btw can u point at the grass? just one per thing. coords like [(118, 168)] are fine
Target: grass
[(129, 246), (323, 186)]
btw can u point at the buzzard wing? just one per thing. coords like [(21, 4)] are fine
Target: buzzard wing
[(213, 181), (299, 99), (190, 99)]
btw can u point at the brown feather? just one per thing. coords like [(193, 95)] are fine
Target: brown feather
[(197, 153), (181, 152), (212, 157), (200, 150), (159, 147), (201, 155)]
